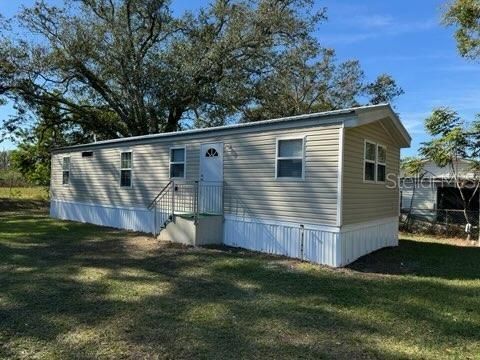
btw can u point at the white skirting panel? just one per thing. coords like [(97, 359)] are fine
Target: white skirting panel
[(362, 239), (135, 219), (320, 246), (328, 245), (315, 244)]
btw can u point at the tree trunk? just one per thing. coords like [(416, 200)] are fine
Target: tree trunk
[(174, 116), (465, 207), (409, 214), (468, 226)]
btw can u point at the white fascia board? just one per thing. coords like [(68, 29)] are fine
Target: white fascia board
[(367, 115)]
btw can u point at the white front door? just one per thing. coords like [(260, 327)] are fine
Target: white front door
[(211, 178), (211, 163)]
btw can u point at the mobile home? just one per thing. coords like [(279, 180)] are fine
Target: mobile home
[(319, 187)]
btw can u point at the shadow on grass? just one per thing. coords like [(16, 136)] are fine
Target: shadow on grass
[(30, 205), (423, 259), (72, 290)]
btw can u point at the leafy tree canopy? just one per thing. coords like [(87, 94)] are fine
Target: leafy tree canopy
[(413, 166), (465, 16), (32, 157), (118, 68), (454, 139)]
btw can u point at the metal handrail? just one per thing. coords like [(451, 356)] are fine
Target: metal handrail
[(197, 195), (163, 191), (186, 199)]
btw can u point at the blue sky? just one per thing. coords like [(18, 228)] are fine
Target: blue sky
[(402, 38)]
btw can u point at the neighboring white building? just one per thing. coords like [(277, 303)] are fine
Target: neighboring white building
[(313, 187), (436, 188)]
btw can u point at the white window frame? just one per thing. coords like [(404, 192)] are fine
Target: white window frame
[(375, 163), (381, 163), (184, 162), (130, 168), (277, 158), (69, 169)]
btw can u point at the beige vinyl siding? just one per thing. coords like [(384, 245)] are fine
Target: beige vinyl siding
[(363, 202), (249, 173)]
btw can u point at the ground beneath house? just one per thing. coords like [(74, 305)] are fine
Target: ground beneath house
[(70, 290)]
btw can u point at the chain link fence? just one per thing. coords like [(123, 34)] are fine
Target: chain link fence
[(447, 222)]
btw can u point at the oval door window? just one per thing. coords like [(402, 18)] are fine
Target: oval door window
[(211, 152)]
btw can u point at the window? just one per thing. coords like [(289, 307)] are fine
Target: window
[(66, 171), (177, 162), (375, 159), (381, 163), (211, 152), (370, 159), (290, 158), (87, 154), (126, 169)]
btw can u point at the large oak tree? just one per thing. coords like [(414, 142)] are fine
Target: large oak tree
[(130, 67)]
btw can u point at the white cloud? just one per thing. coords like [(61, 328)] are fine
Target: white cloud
[(346, 38), (412, 57), (463, 101), (372, 21), (377, 26), (414, 26), (460, 68), (414, 121)]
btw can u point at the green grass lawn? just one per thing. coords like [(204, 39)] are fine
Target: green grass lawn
[(34, 192), (70, 290)]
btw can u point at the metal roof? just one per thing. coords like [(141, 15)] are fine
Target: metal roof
[(240, 125)]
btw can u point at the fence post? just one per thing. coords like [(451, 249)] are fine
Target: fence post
[(446, 223), (155, 219), (302, 240), (197, 191), (223, 200), (173, 199)]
